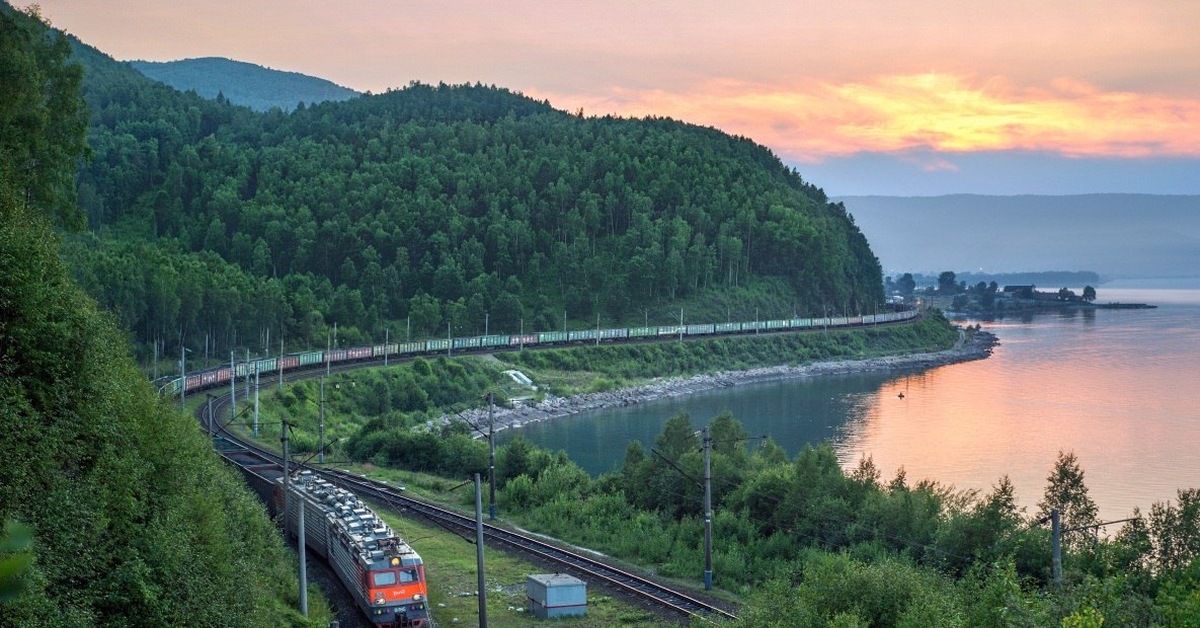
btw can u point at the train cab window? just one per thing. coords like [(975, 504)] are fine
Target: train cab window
[(408, 575), (383, 578)]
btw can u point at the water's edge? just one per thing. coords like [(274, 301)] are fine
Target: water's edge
[(978, 345)]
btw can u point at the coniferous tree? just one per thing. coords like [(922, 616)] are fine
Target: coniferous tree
[(1066, 491)]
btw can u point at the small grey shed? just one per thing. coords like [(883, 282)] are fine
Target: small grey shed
[(556, 595)]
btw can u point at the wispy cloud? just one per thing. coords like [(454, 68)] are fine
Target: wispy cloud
[(946, 113)]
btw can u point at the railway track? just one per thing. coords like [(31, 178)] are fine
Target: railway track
[(630, 585)]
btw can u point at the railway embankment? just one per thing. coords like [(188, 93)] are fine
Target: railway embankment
[(976, 346)]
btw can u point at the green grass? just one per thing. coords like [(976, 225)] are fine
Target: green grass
[(450, 565)]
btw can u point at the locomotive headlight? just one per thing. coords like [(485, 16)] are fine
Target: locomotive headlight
[(418, 597)]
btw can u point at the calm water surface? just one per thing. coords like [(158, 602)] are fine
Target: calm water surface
[(1118, 387)]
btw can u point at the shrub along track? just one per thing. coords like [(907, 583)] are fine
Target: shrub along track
[(662, 598)]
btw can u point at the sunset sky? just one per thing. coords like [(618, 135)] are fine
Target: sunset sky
[(905, 97)]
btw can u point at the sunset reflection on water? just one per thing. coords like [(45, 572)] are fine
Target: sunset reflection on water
[(1118, 389)]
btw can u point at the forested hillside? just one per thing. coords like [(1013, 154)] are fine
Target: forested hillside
[(432, 206), (131, 520)]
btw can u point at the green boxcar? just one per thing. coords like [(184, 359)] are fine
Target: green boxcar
[(494, 341), (552, 336), (466, 343), (311, 357), (638, 332), (586, 334), (437, 345), (411, 347)]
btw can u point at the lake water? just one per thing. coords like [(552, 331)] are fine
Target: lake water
[(1120, 388)]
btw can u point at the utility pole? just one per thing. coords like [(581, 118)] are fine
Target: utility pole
[(321, 426), (491, 458), (1056, 546), (708, 515), (449, 341), (479, 553), (286, 479), (302, 550), (210, 418), (287, 489), (232, 388), (281, 362), (248, 374), (256, 382), (182, 376), (680, 324), (385, 346)]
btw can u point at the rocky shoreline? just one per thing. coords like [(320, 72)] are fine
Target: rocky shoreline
[(974, 346)]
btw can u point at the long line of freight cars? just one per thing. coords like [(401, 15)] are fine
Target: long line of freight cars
[(447, 346)]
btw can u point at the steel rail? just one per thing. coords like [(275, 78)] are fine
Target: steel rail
[(639, 587)]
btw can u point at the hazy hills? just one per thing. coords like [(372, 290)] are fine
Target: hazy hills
[(1116, 235), (244, 83)]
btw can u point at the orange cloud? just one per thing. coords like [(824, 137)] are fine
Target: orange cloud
[(940, 112)]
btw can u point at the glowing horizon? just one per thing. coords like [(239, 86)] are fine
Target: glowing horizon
[(940, 112)]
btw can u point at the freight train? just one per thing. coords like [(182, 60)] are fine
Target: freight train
[(384, 575), (497, 342)]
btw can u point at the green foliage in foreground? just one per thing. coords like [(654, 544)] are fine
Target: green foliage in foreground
[(123, 515), (134, 520), (809, 544)]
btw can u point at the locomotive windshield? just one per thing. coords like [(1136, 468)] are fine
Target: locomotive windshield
[(389, 577), (383, 578)]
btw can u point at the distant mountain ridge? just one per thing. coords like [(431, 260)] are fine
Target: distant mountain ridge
[(244, 83), (1116, 235)]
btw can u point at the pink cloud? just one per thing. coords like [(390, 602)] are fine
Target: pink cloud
[(810, 120)]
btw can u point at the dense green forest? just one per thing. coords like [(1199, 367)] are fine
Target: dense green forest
[(117, 511), (429, 206)]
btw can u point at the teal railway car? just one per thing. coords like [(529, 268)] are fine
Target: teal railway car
[(409, 348), (493, 341), (584, 334), (552, 336)]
